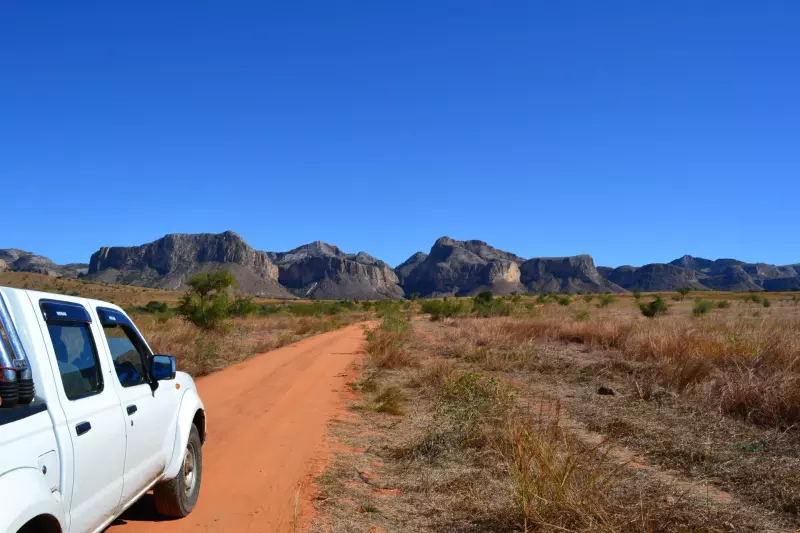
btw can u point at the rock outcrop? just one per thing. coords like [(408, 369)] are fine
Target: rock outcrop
[(22, 261), (169, 262), (322, 271), (463, 268), (576, 274)]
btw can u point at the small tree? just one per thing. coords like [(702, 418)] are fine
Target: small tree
[(654, 308), (637, 295), (683, 291), (588, 298), (206, 304)]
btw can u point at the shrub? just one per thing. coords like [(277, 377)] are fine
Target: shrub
[(683, 291), (242, 306), (605, 300), (484, 297), (654, 308), (701, 307), (588, 298), (637, 294), (755, 298), (447, 308), (206, 303), (156, 307), (723, 304), (564, 300), (765, 302)]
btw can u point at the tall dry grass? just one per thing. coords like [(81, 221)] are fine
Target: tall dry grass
[(200, 352), (747, 367)]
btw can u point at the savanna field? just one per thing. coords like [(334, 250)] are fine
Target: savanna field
[(625, 413)]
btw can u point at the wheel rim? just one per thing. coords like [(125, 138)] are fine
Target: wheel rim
[(189, 477)]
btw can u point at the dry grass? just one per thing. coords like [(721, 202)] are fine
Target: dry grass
[(465, 452), (122, 295), (558, 482), (747, 367), (200, 352)]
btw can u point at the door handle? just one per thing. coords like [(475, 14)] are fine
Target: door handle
[(132, 409), (82, 428)]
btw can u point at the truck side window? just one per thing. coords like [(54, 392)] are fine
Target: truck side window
[(128, 357), (77, 359)]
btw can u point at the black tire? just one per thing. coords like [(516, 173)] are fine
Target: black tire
[(175, 497)]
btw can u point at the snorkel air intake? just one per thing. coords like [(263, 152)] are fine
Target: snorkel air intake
[(16, 377)]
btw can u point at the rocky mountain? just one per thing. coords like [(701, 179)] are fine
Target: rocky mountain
[(461, 268), (576, 273), (654, 277), (406, 267), (14, 260), (735, 275), (322, 271), (170, 261)]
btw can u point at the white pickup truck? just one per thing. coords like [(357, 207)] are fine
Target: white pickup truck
[(90, 419)]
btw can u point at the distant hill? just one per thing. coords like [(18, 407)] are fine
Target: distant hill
[(13, 260), (323, 271)]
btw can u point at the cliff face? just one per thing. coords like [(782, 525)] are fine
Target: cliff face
[(170, 261), (463, 268), (319, 270), (565, 274)]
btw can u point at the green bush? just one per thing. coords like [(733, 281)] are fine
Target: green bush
[(606, 300), (588, 298), (583, 316), (765, 302), (701, 307), (755, 298), (156, 307), (637, 295), (242, 306), (484, 297), (654, 308), (683, 291), (447, 308), (206, 303), (564, 300), (723, 304)]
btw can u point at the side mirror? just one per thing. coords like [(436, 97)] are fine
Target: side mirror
[(162, 367)]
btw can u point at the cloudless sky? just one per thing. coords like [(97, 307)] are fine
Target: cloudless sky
[(633, 131)]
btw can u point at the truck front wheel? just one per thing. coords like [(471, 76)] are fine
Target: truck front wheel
[(177, 497)]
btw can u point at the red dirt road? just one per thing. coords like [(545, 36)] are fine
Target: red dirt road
[(267, 435)]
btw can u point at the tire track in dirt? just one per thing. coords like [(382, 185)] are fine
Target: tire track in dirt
[(267, 436)]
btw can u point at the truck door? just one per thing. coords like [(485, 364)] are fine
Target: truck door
[(148, 412), (92, 409)]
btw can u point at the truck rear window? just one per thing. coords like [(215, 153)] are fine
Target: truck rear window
[(77, 359)]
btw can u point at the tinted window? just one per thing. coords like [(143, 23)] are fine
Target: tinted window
[(77, 359), (128, 359)]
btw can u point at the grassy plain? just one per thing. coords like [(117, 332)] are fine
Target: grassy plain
[(575, 416)]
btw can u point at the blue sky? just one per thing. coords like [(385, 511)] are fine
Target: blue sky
[(633, 131)]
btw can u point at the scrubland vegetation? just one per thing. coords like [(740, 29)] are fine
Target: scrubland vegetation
[(529, 414)]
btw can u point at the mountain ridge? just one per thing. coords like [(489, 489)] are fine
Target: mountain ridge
[(452, 267)]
